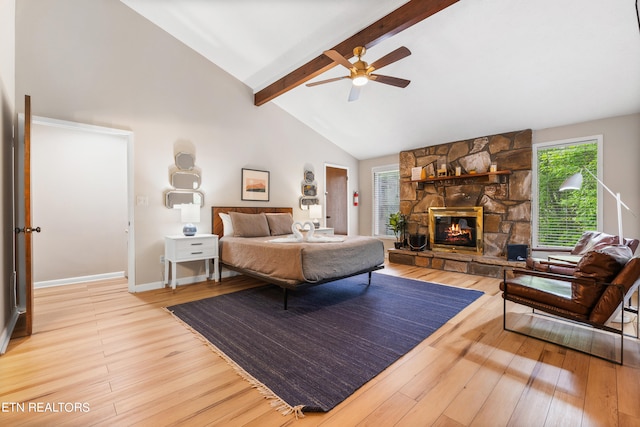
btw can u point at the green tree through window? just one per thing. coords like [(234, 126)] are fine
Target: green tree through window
[(564, 216)]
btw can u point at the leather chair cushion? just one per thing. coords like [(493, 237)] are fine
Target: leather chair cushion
[(600, 266)]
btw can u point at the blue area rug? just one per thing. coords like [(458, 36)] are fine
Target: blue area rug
[(333, 338)]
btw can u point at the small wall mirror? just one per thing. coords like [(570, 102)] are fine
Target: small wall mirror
[(185, 180), (177, 197), (185, 161)]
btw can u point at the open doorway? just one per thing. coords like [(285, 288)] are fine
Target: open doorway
[(82, 199), (336, 198)]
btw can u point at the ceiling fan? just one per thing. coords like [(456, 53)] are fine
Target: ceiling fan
[(361, 72)]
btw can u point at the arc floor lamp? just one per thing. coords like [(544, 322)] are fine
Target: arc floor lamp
[(574, 182)]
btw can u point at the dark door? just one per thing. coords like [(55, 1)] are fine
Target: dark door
[(23, 226), (336, 199)]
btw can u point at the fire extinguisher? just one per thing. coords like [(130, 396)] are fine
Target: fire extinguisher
[(355, 198)]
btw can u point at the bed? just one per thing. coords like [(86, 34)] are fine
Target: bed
[(255, 241)]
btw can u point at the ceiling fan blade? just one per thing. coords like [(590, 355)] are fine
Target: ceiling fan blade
[(396, 55), (393, 81), (354, 94), (321, 82), (333, 54)]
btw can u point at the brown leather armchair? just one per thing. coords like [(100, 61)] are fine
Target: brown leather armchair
[(591, 296)]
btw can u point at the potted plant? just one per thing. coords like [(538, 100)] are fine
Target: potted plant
[(397, 222)]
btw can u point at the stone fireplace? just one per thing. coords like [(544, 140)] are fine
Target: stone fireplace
[(504, 194), (456, 230)]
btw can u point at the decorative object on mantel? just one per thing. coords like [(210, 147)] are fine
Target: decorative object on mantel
[(416, 173), (255, 185), (490, 176), (309, 189)]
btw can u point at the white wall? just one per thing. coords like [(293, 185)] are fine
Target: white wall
[(79, 187), (7, 117), (365, 209), (100, 63)]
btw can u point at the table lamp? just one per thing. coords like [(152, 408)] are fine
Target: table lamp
[(315, 213), (189, 214)]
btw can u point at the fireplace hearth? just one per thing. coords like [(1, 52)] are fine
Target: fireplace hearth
[(456, 229)]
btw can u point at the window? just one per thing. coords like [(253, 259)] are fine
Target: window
[(386, 197), (560, 218)]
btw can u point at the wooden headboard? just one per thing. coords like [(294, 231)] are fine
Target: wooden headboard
[(216, 222)]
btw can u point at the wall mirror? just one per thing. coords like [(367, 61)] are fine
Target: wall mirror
[(185, 161), (185, 180), (177, 197)]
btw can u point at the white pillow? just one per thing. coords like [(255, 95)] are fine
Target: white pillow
[(227, 225)]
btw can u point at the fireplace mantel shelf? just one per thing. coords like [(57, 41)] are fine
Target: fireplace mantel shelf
[(473, 175)]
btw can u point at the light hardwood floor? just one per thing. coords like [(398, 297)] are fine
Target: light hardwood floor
[(131, 363)]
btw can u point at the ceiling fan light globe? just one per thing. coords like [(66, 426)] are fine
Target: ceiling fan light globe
[(360, 80)]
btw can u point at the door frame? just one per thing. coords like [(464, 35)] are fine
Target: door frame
[(324, 201), (128, 136)]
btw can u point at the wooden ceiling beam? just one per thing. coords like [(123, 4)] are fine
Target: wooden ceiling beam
[(400, 19)]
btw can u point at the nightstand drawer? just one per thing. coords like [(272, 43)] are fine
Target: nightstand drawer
[(193, 248), (196, 243), (195, 252)]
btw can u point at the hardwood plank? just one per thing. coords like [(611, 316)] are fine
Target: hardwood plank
[(536, 397), (390, 412), (601, 403)]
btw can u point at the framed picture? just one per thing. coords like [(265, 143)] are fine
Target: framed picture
[(255, 185)]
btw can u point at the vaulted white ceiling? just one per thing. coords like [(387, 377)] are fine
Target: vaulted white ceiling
[(478, 67)]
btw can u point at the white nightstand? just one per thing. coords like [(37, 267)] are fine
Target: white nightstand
[(181, 248)]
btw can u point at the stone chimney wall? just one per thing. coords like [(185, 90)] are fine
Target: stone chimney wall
[(506, 199)]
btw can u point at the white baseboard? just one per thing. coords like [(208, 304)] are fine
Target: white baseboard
[(81, 279), (5, 337), (180, 282)]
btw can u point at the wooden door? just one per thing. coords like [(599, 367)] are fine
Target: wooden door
[(23, 226), (336, 199)]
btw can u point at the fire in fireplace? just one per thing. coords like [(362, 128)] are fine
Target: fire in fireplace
[(456, 229)]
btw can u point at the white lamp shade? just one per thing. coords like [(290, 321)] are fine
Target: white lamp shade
[(315, 211), (190, 213), (574, 182)]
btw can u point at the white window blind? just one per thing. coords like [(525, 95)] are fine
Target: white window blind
[(386, 197), (560, 218)]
